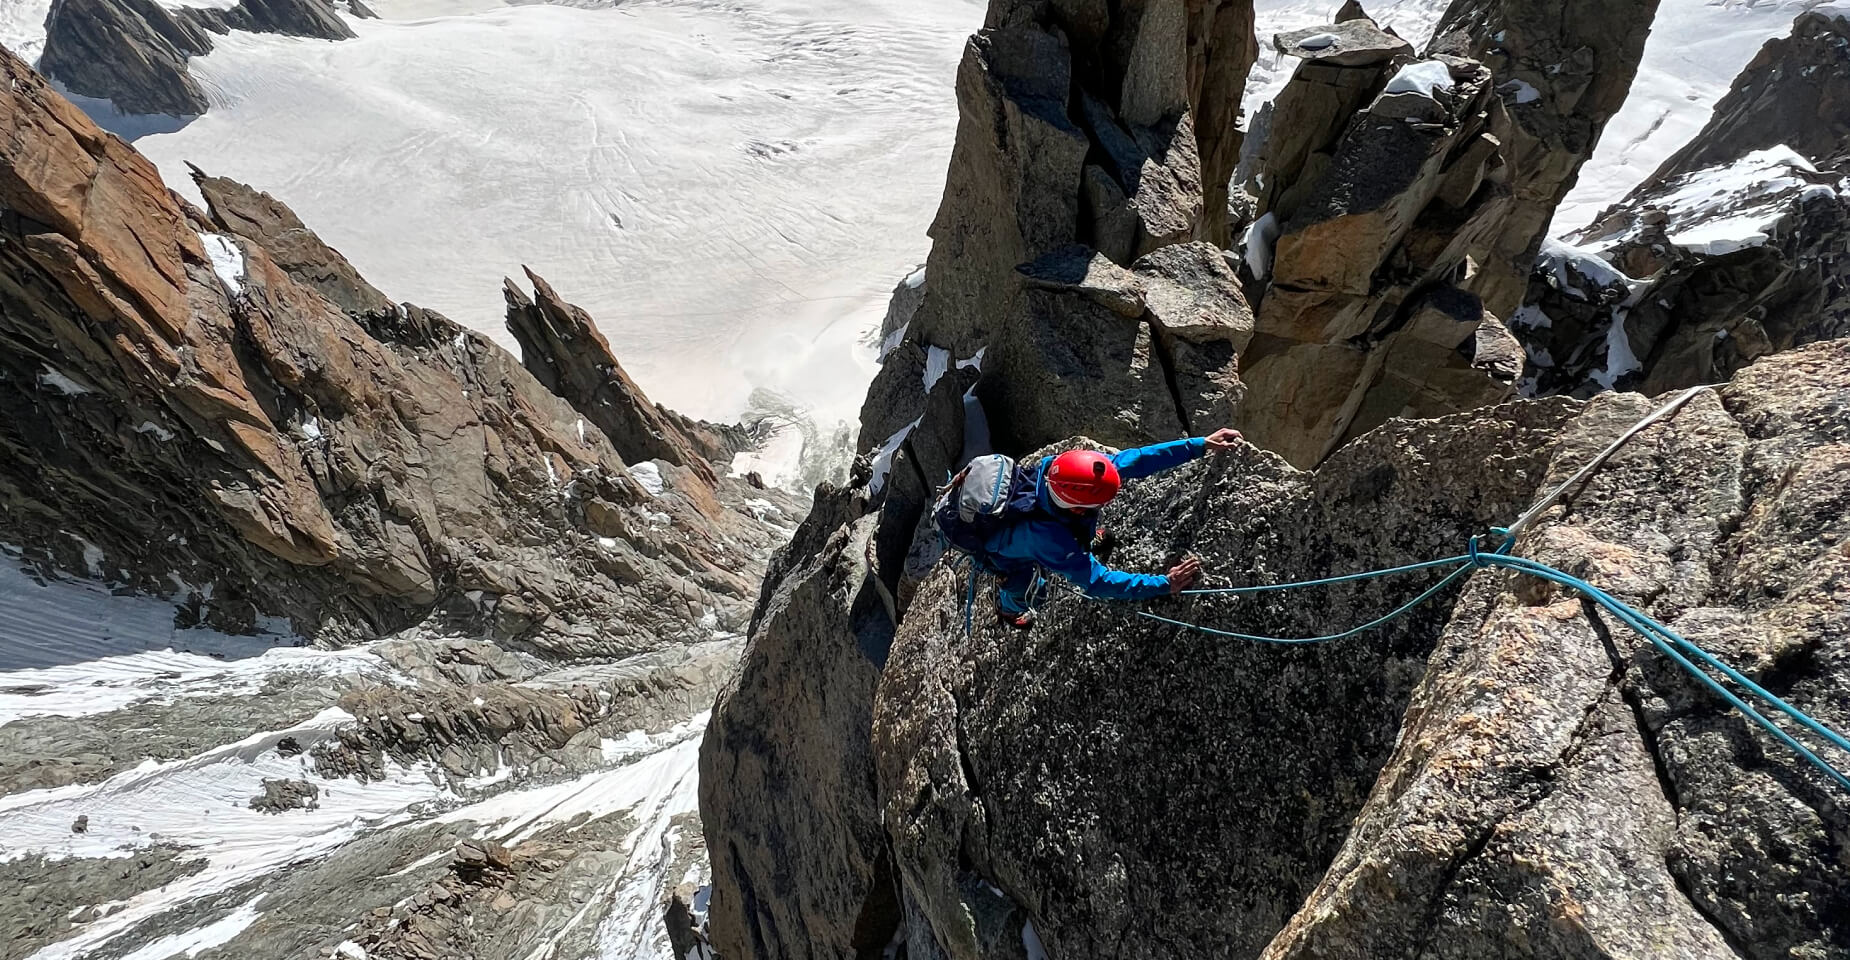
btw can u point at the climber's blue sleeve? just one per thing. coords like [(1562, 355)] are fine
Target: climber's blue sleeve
[(1056, 550), (1154, 459)]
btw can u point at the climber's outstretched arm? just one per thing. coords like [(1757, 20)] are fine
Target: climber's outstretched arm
[(1154, 459)]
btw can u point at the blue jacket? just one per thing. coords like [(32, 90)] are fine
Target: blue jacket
[(1065, 546)]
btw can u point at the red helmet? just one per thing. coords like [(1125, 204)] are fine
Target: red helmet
[(1082, 480)]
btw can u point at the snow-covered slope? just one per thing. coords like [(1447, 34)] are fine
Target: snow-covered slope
[(729, 187)]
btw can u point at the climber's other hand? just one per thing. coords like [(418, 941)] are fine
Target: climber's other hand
[(1183, 575), (1226, 438)]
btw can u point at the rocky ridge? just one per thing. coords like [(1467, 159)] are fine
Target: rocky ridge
[(1732, 250), (480, 619)]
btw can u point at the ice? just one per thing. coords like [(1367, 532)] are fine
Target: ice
[(1426, 77), (227, 261), (649, 474), (728, 188)]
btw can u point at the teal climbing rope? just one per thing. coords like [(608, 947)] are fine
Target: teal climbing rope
[(1684, 653)]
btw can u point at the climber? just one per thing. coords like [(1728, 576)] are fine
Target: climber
[(1045, 518)]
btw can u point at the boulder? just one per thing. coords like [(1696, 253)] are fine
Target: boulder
[(786, 773)]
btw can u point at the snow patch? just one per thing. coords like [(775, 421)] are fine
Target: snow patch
[(1520, 91), (1260, 236), (649, 474), (160, 433), (195, 942), (1619, 357), (883, 460), (227, 261), (1559, 256), (1318, 41), (1426, 78), (56, 380), (937, 363), (1530, 315), (915, 279)]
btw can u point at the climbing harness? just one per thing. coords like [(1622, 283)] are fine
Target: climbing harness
[(1677, 648)]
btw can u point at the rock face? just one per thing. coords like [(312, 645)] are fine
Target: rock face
[(133, 53), (356, 470), (1400, 210), (1733, 250), (1075, 275), (1508, 772)]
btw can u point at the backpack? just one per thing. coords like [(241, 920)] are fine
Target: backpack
[(989, 494)]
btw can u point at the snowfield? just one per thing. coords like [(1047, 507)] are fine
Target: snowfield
[(730, 188)]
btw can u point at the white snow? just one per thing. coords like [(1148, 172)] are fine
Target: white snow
[(891, 342), (202, 804), (22, 27), (1731, 207), (1558, 255), (159, 432), (1696, 49), (1412, 19), (973, 361), (1260, 235), (883, 459), (227, 261), (1530, 315), (1425, 77), (727, 187), (192, 943), (937, 363), (57, 380), (1619, 357), (1317, 41), (649, 474), (915, 279)]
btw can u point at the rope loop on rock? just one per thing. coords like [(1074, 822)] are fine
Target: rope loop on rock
[(1685, 654)]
